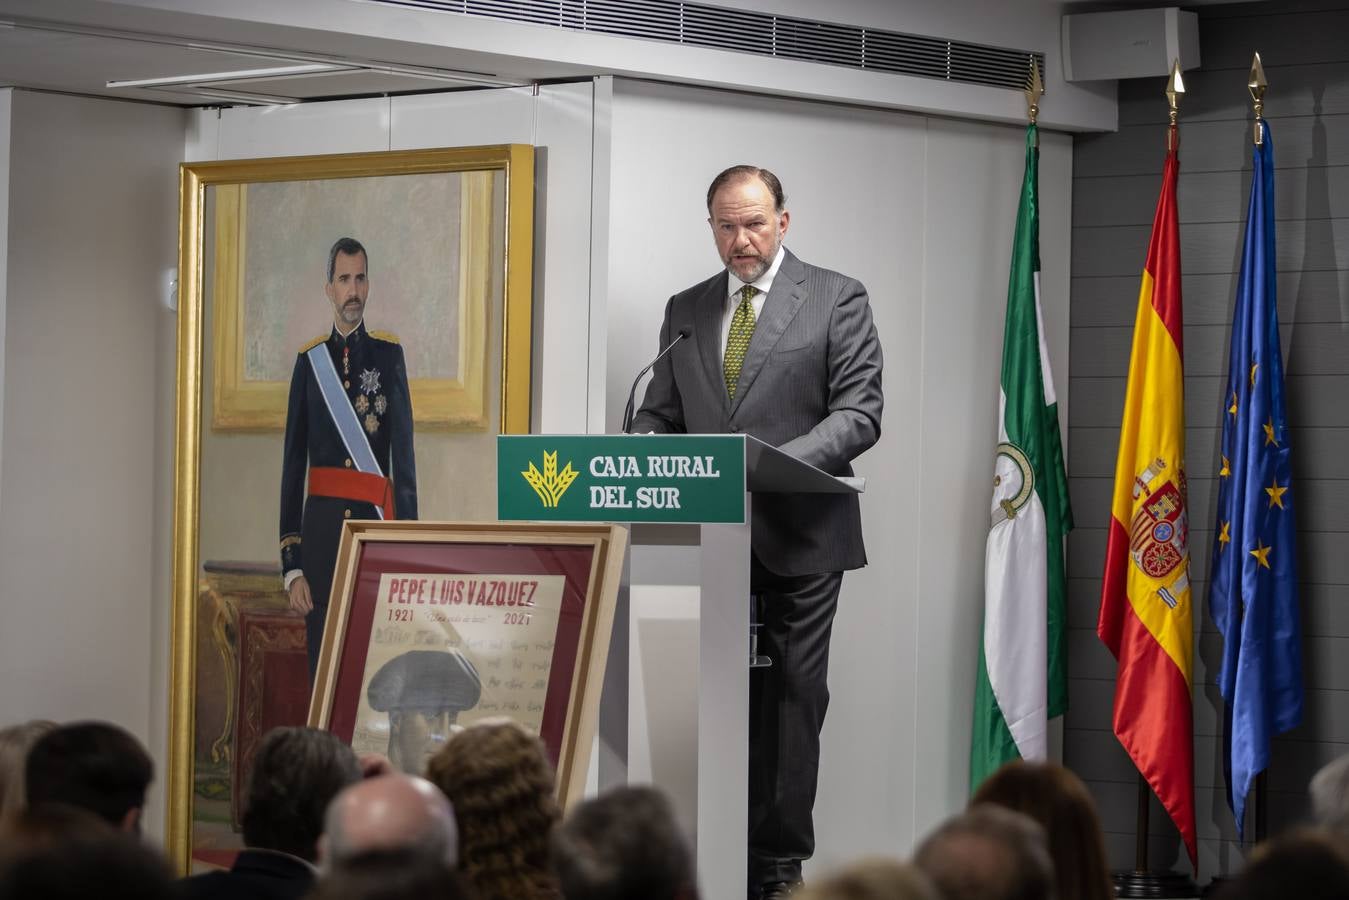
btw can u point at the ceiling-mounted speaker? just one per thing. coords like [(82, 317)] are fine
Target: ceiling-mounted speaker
[(1133, 43)]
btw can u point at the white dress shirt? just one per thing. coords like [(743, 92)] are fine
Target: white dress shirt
[(733, 285)]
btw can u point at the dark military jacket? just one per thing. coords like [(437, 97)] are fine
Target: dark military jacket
[(372, 371)]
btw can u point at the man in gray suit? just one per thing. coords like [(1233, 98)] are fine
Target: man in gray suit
[(786, 352)]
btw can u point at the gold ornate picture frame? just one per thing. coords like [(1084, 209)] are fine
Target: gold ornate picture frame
[(230, 615)]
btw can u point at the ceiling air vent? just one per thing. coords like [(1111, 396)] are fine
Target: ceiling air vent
[(763, 34)]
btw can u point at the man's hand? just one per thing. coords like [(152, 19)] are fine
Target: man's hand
[(300, 601)]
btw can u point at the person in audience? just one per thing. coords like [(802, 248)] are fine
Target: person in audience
[(32, 830), (402, 874), (1303, 864), (872, 878), (106, 864), (389, 812), (1060, 802), (988, 853), (15, 742), (623, 845), (498, 778), (296, 774), (91, 765), (1329, 791)]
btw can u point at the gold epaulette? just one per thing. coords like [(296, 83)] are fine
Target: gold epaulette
[(385, 336), (314, 343)]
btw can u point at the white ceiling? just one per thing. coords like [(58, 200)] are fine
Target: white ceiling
[(80, 46)]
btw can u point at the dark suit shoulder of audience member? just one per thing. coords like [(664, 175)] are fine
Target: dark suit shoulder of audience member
[(1057, 799), (407, 873), (1304, 864), (988, 853), (108, 866), (871, 878), (296, 773), (15, 742), (497, 776), (96, 766), (623, 845), (36, 829)]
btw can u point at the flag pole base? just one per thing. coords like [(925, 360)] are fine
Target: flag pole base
[(1155, 886), (1214, 883)]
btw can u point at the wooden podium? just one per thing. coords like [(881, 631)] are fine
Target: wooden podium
[(688, 500)]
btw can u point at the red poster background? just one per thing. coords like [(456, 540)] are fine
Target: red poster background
[(418, 558)]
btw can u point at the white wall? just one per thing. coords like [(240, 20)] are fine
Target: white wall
[(922, 210), (92, 192), (6, 106)]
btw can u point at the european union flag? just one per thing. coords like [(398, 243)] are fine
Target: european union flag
[(1253, 578)]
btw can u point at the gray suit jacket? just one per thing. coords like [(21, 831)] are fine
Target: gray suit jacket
[(811, 385)]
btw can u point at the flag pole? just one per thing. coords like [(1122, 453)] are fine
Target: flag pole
[(1256, 84), (1035, 89), (1141, 882)]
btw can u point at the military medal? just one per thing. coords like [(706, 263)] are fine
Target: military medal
[(362, 405), (381, 404), (371, 423), (370, 381)]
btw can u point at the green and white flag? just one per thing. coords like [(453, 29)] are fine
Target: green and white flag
[(1022, 682)]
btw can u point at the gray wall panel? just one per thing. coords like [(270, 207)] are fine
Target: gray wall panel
[(1316, 297)]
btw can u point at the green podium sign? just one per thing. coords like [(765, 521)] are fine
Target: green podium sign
[(621, 478)]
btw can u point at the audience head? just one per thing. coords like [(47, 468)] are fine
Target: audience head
[(101, 863), (1308, 864), (389, 812), (92, 765), (873, 878), (1329, 791), (15, 742), (498, 778), (1060, 802), (296, 774), (402, 874), (988, 853), (623, 845)]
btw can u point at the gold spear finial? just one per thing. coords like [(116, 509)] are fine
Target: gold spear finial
[(1256, 83), (1175, 86), (1035, 89)]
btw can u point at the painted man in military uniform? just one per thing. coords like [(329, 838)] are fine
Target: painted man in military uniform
[(349, 424)]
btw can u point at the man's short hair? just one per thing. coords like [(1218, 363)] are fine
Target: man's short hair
[(92, 765), (741, 173), (296, 774), (623, 845), (346, 246), (110, 866), (394, 811), (1306, 863), (1329, 791), (988, 853)]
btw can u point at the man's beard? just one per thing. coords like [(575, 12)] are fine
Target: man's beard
[(352, 312)]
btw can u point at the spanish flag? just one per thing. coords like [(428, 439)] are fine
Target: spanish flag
[(1146, 615)]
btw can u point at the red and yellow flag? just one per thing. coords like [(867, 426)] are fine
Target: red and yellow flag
[(1146, 617)]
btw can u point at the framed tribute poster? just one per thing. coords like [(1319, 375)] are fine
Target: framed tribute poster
[(428, 255), (434, 626)]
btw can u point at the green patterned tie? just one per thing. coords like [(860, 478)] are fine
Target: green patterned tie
[(737, 341)]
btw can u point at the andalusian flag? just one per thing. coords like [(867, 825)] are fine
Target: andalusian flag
[(1022, 682), (1146, 616)]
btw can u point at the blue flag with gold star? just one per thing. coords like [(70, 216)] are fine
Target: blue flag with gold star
[(1253, 591)]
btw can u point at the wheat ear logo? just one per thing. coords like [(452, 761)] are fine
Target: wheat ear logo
[(550, 484)]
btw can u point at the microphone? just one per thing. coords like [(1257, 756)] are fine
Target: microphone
[(632, 394)]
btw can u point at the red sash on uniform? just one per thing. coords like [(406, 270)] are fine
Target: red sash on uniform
[(348, 484)]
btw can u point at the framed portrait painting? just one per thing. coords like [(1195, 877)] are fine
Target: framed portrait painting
[(435, 626), (445, 263)]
